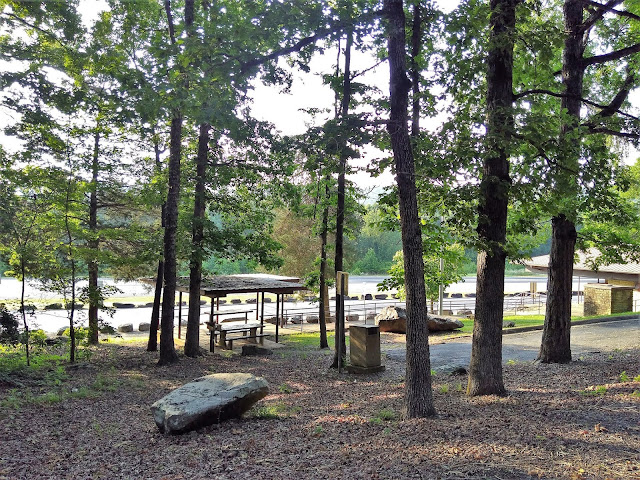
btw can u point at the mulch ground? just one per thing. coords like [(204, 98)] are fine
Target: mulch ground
[(575, 421)]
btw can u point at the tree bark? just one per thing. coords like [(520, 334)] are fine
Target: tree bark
[(416, 44), (324, 291), (555, 346), (93, 244), (418, 395), (167, 348), (192, 342), (485, 368), (24, 313), (556, 335), (152, 344), (340, 343)]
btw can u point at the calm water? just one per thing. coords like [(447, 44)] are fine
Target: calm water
[(53, 320)]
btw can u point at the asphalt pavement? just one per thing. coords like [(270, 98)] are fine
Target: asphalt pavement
[(595, 337)]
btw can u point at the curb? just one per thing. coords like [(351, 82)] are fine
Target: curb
[(587, 321)]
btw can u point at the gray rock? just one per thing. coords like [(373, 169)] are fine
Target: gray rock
[(443, 324), (296, 319), (208, 400), (464, 313), (508, 324), (368, 296), (124, 305), (61, 331), (312, 319), (394, 319), (144, 327), (251, 350), (125, 328), (236, 301), (354, 317), (370, 317), (381, 296)]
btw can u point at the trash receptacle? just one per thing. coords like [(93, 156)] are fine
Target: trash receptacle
[(365, 349)]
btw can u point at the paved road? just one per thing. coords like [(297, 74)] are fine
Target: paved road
[(604, 336)]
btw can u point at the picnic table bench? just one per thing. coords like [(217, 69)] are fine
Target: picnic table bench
[(248, 331)]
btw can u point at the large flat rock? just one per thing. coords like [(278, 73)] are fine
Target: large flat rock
[(394, 319), (208, 400)]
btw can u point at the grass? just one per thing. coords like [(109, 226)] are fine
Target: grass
[(308, 340), (385, 415), (274, 411)]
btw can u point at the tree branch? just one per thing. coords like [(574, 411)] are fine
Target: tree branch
[(296, 47), (601, 10), (611, 9), (607, 57), (615, 133)]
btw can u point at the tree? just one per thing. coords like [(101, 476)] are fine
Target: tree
[(485, 368), (418, 394), (610, 120), (453, 257)]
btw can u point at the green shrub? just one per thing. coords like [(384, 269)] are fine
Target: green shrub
[(8, 326)]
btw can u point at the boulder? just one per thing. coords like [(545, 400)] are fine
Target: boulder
[(381, 296), (267, 300), (125, 328), (296, 319), (508, 324), (370, 317), (236, 301), (271, 320), (394, 319), (144, 327), (61, 331), (208, 400), (251, 300), (464, 313), (443, 324), (312, 319), (367, 296), (354, 317), (53, 306)]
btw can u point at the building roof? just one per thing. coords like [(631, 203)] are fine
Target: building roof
[(541, 263)]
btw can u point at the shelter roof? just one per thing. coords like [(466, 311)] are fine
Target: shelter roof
[(222, 285)]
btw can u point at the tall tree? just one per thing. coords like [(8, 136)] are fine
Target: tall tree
[(485, 368), (556, 339), (418, 393)]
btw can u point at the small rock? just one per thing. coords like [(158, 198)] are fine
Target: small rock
[(508, 324), (251, 350), (123, 305)]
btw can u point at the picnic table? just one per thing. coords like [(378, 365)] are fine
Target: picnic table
[(243, 331)]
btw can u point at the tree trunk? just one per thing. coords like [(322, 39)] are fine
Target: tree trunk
[(93, 244), (24, 313), (416, 44), (340, 343), (555, 346), (485, 368), (418, 394), (556, 336), (167, 348), (192, 342), (324, 291), (152, 344)]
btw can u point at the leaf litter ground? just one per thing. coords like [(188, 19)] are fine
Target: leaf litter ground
[(575, 421)]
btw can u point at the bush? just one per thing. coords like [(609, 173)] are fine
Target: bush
[(8, 326), (37, 338), (81, 334)]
